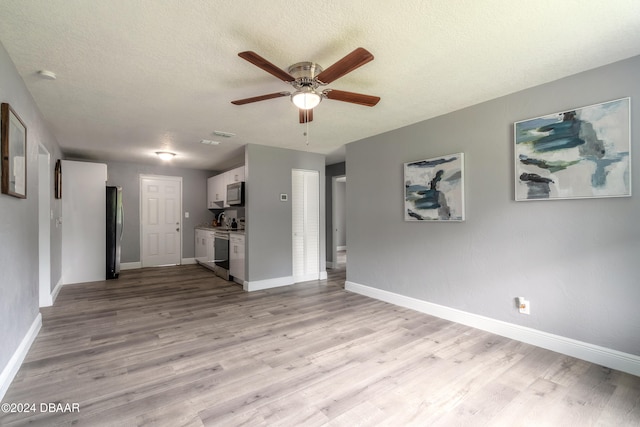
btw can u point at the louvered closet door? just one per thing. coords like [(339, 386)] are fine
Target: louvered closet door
[(305, 202)]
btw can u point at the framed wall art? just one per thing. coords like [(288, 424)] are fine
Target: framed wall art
[(579, 153), (13, 141), (434, 189)]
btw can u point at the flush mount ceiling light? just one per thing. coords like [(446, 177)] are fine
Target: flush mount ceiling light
[(165, 155), (306, 98)]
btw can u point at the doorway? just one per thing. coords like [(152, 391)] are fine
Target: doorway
[(339, 222), (305, 205), (160, 220), (44, 227)]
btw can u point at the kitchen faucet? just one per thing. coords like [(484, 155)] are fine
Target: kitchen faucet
[(221, 215)]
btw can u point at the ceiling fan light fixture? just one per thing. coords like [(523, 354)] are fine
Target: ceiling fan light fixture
[(307, 77), (306, 98), (165, 155)]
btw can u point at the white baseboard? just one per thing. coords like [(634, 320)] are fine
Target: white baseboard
[(56, 291), (136, 265), (9, 372), (130, 265), (614, 359), (308, 277), (45, 298), (258, 285)]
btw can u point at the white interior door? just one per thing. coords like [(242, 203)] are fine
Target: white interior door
[(160, 220), (305, 202)]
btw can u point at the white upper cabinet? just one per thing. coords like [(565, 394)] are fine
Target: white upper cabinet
[(232, 176), (235, 175), (217, 187), (216, 191)]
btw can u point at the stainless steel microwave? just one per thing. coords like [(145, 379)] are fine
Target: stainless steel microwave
[(235, 194)]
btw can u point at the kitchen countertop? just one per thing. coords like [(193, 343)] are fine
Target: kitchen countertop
[(229, 229)]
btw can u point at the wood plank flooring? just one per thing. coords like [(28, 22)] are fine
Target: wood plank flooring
[(177, 346)]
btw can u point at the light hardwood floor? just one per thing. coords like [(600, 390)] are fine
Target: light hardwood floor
[(177, 346)]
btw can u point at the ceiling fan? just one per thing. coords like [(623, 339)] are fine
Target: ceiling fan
[(307, 77)]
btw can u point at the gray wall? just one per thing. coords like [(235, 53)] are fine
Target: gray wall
[(337, 169), (194, 201), (575, 260), (268, 174), (19, 295)]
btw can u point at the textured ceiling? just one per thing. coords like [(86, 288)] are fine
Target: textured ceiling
[(135, 77)]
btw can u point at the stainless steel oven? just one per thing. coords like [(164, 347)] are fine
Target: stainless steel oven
[(221, 245)]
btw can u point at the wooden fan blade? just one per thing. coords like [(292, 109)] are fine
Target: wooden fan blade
[(355, 59), (260, 98), (306, 115), (260, 62), (354, 98)]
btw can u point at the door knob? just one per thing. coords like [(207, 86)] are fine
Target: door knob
[(177, 229)]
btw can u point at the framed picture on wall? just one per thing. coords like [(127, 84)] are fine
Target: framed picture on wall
[(434, 189), (13, 141), (578, 153)]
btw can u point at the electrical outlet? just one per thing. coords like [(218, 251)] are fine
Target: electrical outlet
[(524, 306)]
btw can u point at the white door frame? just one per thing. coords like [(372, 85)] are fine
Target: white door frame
[(159, 177), (44, 226)]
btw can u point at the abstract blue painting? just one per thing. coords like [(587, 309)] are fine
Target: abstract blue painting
[(579, 153), (434, 189)]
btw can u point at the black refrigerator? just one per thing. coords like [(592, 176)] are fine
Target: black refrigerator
[(114, 230)]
